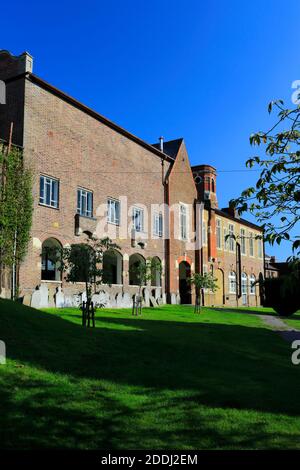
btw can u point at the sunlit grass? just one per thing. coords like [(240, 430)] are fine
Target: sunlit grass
[(168, 379)]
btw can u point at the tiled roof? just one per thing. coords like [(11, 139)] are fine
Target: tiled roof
[(171, 147)]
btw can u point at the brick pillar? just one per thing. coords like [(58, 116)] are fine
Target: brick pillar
[(212, 244), (125, 271)]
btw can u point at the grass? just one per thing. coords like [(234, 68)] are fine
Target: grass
[(293, 321), (167, 380)]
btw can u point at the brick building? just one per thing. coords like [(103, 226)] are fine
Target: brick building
[(93, 177)]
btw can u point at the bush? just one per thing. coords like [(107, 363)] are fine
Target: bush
[(281, 295)]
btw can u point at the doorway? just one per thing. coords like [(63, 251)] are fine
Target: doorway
[(184, 284)]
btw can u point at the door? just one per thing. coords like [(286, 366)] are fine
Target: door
[(184, 284)]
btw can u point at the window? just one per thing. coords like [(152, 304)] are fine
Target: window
[(259, 248), (113, 211), (232, 282), (138, 219), (251, 245), (231, 239), (243, 241), (183, 222), (204, 233), (225, 239), (244, 283), (84, 202), (244, 288), (213, 185), (207, 183), (252, 284), (219, 234), (49, 191), (158, 225)]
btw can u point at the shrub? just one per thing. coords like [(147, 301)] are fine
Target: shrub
[(282, 295)]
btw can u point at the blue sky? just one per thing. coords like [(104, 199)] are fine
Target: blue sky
[(202, 70)]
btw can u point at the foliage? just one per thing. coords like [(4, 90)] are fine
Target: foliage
[(275, 200), (282, 293), (145, 272), (82, 262), (15, 208), (203, 281)]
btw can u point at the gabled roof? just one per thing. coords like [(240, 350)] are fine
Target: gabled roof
[(239, 220), (171, 147), (55, 91)]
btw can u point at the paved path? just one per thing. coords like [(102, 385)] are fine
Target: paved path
[(288, 333)]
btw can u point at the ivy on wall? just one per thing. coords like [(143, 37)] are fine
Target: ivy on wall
[(16, 206)]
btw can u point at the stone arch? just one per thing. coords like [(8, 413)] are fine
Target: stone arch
[(134, 261), (51, 260), (112, 267), (156, 271)]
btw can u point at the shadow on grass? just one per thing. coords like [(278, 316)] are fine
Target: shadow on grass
[(244, 311), (225, 362), (206, 365), (108, 423)]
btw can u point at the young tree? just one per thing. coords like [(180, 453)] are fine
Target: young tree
[(275, 200), (82, 262), (16, 207), (144, 272), (200, 282)]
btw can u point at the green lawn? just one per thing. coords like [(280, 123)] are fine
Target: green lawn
[(168, 379), (294, 320)]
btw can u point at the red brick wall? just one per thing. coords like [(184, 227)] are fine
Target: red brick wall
[(64, 142), (181, 189), (13, 111)]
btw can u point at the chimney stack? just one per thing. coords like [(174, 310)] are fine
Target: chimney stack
[(161, 144), (11, 66)]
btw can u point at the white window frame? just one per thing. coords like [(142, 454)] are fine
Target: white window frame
[(113, 211), (158, 224), (252, 280), (138, 219), (82, 202), (47, 188), (259, 248), (243, 241), (219, 234), (232, 282), (244, 283), (231, 245), (251, 244), (183, 227)]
